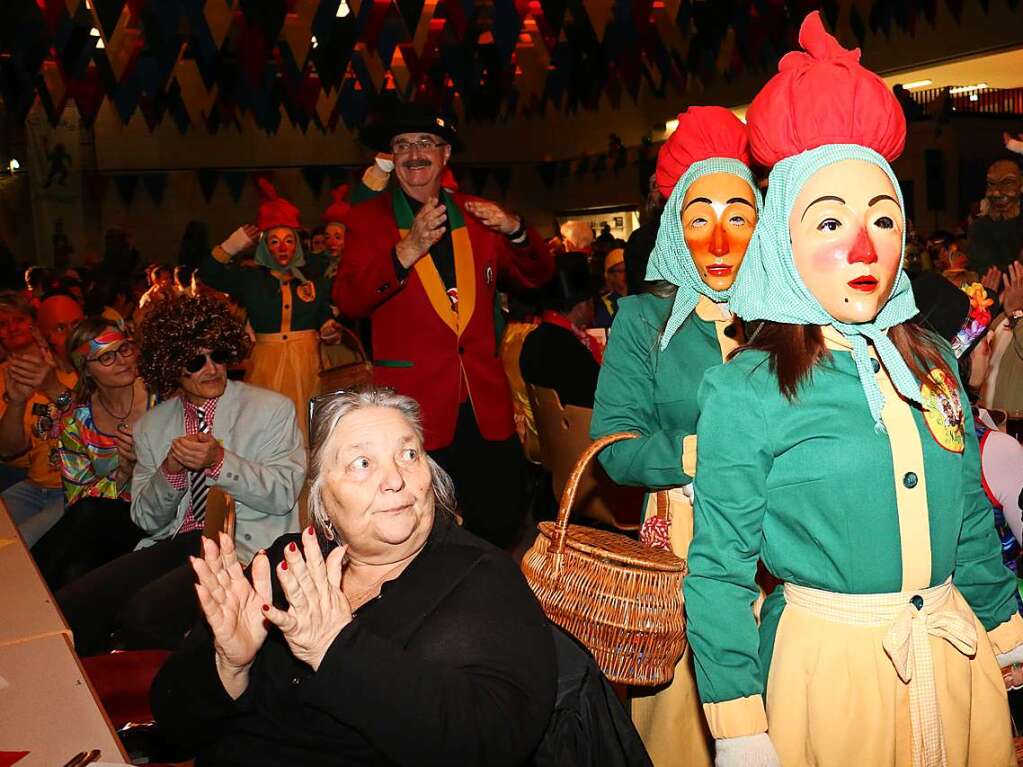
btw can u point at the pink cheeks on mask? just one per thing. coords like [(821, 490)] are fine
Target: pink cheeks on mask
[(846, 232)]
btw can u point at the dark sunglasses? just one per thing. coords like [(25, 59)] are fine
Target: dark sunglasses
[(198, 362)]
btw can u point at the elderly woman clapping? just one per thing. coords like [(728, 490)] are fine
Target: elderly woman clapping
[(384, 634)]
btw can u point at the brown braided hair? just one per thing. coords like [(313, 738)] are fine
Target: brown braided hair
[(178, 329)]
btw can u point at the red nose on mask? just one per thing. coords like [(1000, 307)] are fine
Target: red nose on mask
[(862, 250), (718, 242)]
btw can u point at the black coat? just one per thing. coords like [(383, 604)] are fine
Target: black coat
[(554, 358), (453, 664)]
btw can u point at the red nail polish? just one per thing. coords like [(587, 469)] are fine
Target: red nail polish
[(292, 546), (309, 530), (284, 565), (266, 608)]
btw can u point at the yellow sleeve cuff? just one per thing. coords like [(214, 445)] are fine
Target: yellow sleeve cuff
[(375, 179), (736, 718), (1008, 636), (221, 255), (689, 455)]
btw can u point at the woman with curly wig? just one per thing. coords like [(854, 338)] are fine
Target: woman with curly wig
[(289, 311), (207, 433)]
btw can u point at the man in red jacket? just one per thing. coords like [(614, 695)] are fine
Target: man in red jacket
[(424, 263)]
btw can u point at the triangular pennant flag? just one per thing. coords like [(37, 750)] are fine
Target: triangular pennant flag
[(313, 175), (126, 184), (155, 184), (235, 180), (337, 174), (208, 178)]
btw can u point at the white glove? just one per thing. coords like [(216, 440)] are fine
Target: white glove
[(384, 162), (747, 751), (1015, 655), (241, 239)]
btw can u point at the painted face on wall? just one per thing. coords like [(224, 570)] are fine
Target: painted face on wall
[(719, 212), (281, 243), (846, 229), (334, 239)]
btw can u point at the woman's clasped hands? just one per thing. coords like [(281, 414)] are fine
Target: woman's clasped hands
[(239, 611)]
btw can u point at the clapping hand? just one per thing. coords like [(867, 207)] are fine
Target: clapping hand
[(992, 279), (493, 216), (318, 608), (426, 231), (1012, 297), (196, 452), (233, 608)]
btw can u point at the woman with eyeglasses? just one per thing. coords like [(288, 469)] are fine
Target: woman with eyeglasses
[(287, 306), (97, 455)]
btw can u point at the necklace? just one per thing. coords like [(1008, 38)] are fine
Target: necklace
[(122, 422)]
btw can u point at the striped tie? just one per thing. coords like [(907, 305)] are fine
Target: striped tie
[(197, 479)]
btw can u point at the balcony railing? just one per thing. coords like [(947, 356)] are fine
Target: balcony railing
[(1003, 101)]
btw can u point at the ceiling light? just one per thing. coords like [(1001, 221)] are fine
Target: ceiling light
[(342, 10), (99, 44), (94, 32), (967, 88), (14, 165), (917, 84), (315, 41)]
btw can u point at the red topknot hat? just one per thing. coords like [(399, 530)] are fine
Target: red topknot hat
[(702, 133), (275, 211), (339, 208), (823, 96)]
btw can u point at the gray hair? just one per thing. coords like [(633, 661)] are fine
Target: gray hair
[(327, 412)]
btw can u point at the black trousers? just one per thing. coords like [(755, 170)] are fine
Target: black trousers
[(140, 601), (91, 533), (490, 477)]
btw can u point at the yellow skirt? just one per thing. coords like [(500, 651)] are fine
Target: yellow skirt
[(670, 721), (834, 697), (288, 363)]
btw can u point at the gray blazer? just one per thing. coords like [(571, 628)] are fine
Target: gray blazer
[(264, 467)]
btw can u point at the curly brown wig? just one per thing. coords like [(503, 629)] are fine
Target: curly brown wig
[(178, 329)]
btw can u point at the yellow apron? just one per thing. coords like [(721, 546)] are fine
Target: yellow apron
[(670, 720), (902, 680), (288, 363)]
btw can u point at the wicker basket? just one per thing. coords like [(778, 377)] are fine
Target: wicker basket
[(348, 375), (621, 599)]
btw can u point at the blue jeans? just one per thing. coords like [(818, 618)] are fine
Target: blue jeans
[(34, 509)]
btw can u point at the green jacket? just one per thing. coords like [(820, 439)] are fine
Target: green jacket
[(812, 489), (642, 389), (259, 292)]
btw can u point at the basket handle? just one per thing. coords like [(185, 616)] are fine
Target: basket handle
[(357, 347), (557, 545)]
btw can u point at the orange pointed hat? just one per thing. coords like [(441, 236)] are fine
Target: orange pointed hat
[(823, 95), (274, 210), (339, 208)]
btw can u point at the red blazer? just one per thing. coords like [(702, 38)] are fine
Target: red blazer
[(421, 347)]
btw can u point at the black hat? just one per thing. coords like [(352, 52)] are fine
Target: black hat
[(943, 307), (571, 284), (407, 118)]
